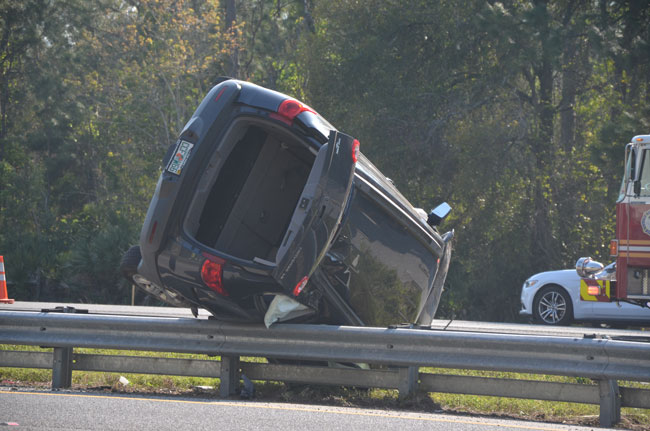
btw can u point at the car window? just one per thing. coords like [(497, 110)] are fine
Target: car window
[(370, 170)]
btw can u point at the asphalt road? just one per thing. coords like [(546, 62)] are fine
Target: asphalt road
[(70, 410)]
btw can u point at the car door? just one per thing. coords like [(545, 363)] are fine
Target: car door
[(318, 213)]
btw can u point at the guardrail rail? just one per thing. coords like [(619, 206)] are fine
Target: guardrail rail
[(606, 361)]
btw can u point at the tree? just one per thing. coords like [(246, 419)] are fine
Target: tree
[(493, 110), (515, 112)]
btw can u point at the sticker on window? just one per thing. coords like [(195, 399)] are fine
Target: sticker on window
[(180, 157)]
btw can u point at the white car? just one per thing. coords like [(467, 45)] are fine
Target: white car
[(553, 298)]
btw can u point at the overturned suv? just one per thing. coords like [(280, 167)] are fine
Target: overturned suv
[(265, 212)]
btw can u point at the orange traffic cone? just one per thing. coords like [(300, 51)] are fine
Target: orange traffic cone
[(3, 284)]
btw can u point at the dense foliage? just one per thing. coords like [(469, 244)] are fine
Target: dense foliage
[(514, 112)]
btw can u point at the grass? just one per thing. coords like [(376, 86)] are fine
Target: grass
[(547, 411)]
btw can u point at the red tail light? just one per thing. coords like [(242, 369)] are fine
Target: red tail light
[(301, 285), (212, 274), (290, 109), (355, 150)]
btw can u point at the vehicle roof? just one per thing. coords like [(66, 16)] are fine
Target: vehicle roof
[(255, 95), (641, 139)]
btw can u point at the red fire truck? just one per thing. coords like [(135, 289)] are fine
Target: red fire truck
[(631, 248)]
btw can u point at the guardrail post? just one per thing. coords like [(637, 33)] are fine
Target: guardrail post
[(229, 376), (407, 381), (62, 367), (610, 403)]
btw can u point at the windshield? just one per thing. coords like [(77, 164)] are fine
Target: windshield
[(645, 174), (628, 174)]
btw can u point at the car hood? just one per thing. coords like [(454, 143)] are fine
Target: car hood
[(566, 275)]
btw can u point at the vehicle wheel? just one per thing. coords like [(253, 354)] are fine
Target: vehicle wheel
[(129, 269), (553, 306), (130, 262)]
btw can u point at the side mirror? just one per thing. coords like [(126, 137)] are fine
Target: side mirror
[(587, 268), (637, 188), (438, 214)]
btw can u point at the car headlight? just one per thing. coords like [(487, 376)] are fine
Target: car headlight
[(530, 283)]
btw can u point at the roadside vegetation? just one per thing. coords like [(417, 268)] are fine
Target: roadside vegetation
[(515, 112), (160, 385)]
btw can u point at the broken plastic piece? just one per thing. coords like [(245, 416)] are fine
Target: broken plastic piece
[(283, 308)]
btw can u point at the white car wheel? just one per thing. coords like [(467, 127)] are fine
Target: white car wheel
[(553, 306)]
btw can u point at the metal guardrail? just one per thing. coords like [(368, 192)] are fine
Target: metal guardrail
[(604, 360)]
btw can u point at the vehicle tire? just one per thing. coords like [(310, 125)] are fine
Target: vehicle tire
[(130, 262), (553, 306)]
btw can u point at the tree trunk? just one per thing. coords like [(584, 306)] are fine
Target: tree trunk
[(569, 88), (309, 19), (543, 147), (231, 20)]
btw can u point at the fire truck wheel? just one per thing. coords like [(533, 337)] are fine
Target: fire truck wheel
[(553, 306)]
